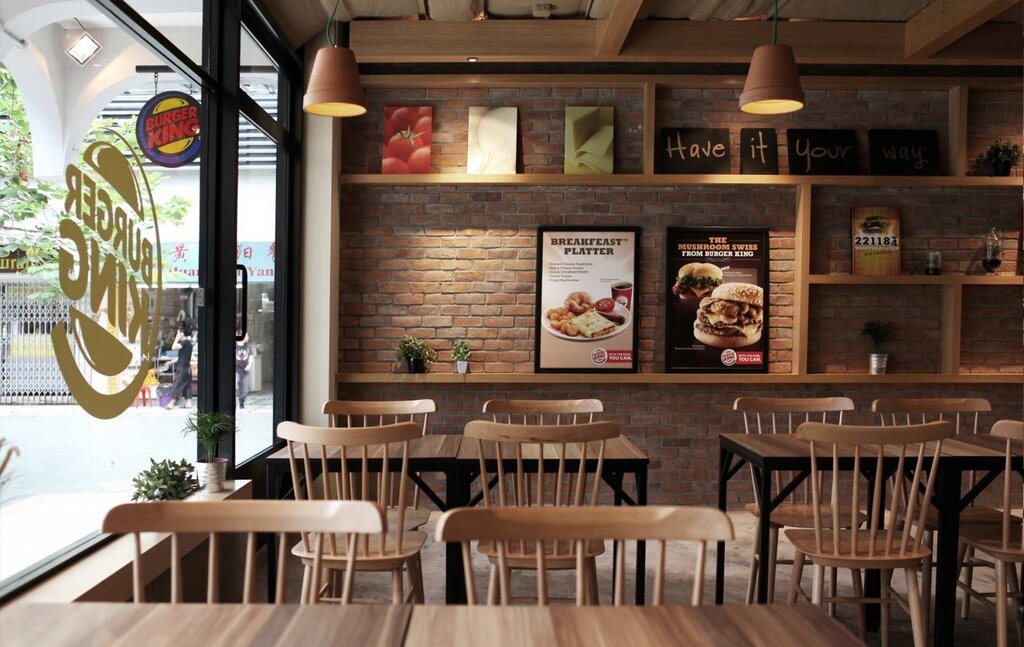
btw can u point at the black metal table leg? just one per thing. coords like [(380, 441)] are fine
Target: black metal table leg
[(457, 485), (724, 459), (641, 546), (764, 528), (947, 500)]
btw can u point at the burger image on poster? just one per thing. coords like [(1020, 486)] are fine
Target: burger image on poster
[(695, 280), (732, 317), (492, 141)]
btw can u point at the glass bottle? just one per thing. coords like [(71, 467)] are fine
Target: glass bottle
[(992, 258)]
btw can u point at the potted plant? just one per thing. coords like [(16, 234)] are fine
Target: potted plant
[(165, 481), (878, 333), (1000, 157), (415, 353), (210, 427), (462, 352)]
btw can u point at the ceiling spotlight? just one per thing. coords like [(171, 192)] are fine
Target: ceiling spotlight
[(84, 48), (472, 59)]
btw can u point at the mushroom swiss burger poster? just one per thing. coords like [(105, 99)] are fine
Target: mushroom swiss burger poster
[(717, 303)]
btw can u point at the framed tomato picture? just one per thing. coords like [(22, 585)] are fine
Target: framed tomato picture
[(407, 134)]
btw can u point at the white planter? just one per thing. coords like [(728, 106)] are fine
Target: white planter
[(877, 363), (462, 366), (212, 475)]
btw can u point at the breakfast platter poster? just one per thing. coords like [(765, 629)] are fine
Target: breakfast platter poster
[(586, 299), (716, 306)]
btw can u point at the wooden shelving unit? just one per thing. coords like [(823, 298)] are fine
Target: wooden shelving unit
[(952, 285)]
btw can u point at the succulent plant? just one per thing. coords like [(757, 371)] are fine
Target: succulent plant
[(165, 481)]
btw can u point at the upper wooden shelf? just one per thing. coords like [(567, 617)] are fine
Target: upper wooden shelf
[(916, 279), (676, 378), (646, 179)]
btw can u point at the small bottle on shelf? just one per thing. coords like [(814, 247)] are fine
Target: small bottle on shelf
[(992, 258)]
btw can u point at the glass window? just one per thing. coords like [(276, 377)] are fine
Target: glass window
[(180, 22), (257, 74)]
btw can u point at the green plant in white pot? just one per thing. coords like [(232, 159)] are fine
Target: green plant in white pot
[(461, 352), (878, 333), (210, 428)]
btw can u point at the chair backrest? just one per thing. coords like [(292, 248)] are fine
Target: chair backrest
[(499, 444), (359, 451), (963, 412), (1013, 432), (579, 526), (214, 518), (543, 412), (362, 413), (912, 485)]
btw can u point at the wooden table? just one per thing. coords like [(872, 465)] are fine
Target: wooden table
[(111, 623), (770, 626), (105, 623), (770, 454)]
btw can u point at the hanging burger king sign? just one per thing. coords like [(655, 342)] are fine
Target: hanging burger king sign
[(168, 129)]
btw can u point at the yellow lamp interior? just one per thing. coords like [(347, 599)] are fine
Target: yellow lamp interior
[(335, 109), (772, 106)]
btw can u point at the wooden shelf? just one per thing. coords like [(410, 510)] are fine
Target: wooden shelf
[(676, 378), (916, 279), (647, 179)]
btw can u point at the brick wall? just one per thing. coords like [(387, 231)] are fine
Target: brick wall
[(993, 115), (676, 425), (541, 125), (990, 333), (860, 110)]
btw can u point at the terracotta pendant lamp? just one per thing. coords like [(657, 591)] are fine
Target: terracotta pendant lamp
[(334, 88), (773, 85)]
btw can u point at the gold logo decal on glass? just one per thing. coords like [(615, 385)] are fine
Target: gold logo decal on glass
[(110, 263)]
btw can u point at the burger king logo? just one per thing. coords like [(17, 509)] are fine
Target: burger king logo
[(168, 129), (109, 263)]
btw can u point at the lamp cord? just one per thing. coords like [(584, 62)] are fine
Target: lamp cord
[(775, 24), (330, 21)]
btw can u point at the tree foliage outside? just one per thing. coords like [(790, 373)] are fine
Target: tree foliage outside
[(31, 208)]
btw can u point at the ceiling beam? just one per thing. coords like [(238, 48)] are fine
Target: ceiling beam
[(671, 41), (613, 29), (944, 22)]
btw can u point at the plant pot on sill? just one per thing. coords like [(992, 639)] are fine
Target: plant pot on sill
[(462, 366), (212, 474), (416, 365), (877, 363), (1001, 169)]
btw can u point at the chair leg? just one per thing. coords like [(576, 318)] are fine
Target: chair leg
[(1000, 603), (773, 552), (492, 586), (886, 606), (858, 591), (797, 574), (416, 578), (926, 580), (818, 592), (594, 596), (833, 590), (1014, 599), (304, 593), (397, 586), (754, 557), (916, 612), (965, 574)]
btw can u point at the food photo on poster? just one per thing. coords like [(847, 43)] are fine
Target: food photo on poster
[(586, 300), (716, 309)]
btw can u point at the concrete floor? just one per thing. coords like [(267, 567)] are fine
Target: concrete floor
[(978, 630)]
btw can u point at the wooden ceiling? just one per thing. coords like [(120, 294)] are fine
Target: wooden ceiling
[(918, 32)]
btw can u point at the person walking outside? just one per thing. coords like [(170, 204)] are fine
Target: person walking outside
[(244, 354), (182, 386)]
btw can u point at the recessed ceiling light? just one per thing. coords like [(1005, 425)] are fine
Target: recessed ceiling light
[(472, 59), (83, 49)]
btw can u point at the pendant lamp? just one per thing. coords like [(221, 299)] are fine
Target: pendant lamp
[(773, 85), (334, 88)]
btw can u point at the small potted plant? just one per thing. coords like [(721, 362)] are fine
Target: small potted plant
[(210, 427), (462, 352), (878, 333), (1000, 158), (415, 353), (165, 481)]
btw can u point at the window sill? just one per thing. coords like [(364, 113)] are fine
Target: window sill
[(106, 573)]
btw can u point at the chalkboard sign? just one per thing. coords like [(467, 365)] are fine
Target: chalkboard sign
[(904, 152), (694, 150), (822, 152), (759, 151)]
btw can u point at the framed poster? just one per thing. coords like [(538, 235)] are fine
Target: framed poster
[(716, 306), (586, 299), (876, 240)]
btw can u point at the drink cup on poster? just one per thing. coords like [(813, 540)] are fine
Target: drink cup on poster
[(622, 292)]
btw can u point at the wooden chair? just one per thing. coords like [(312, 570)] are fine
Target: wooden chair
[(509, 529), (503, 449), (540, 412), (964, 414), (782, 415), (365, 413), (393, 550), (315, 519), (899, 546), (1004, 541)]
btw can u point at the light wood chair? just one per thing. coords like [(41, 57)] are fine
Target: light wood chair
[(394, 550), (541, 412), (510, 529), (368, 413), (899, 546), (314, 519), (503, 450), (782, 416), (964, 413), (1003, 542)]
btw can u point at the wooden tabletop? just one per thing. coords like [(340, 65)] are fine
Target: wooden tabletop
[(771, 626), (965, 446), (618, 448), (441, 446), (109, 623)]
